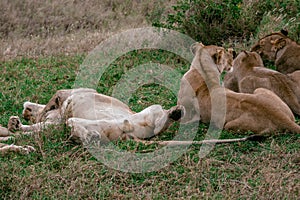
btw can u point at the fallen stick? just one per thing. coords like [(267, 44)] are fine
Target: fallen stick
[(212, 141)]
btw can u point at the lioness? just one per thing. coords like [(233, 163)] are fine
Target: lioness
[(88, 113), (260, 112), (280, 48), (189, 83), (249, 74)]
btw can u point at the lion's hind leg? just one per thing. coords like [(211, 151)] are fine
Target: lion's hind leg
[(246, 122), (5, 148)]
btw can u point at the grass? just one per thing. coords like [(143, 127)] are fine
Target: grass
[(37, 28), (43, 43), (60, 169)]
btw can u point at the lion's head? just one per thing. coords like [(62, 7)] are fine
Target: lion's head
[(248, 59), (31, 111), (222, 58), (264, 47)]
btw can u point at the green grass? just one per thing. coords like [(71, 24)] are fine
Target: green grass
[(60, 169)]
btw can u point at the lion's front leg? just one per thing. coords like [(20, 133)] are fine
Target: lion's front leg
[(15, 124)]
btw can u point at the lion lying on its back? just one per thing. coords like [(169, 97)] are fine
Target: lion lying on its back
[(88, 113)]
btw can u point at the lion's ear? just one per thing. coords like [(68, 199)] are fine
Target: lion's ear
[(57, 101), (201, 44), (279, 43), (218, 56), (196, 46), (232, 52), (262, 43), (246, 53), (284, 32), (127, 127)]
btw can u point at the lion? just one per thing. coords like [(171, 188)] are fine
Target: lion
[(189, 83), (90, 113), (281, 49), (249, 74), (262, 112)]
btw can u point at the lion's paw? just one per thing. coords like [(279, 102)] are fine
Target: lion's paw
[(24, 149), (14, 124), (176, 112), (28, 149)]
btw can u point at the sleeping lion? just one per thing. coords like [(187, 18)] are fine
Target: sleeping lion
[(89, 113)]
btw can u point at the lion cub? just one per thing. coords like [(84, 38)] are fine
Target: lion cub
[(249, 74), (260, 112), (280, 48)]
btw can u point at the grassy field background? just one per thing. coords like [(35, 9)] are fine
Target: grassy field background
[(36, 28), (35, 64)]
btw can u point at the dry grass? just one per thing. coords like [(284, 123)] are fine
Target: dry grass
[(35, 28), (61, 170)]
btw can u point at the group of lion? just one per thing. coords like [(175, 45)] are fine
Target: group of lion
[(258, 99), (251, 97)]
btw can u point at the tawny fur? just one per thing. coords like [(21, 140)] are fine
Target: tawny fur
[(281, 49), (189, 85), (261, 112), (249, 74), (88, 113)]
